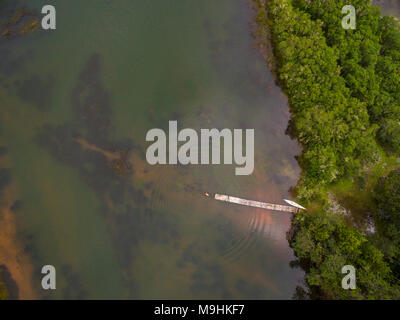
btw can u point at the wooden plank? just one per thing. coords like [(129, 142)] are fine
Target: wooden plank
[(256, 204)]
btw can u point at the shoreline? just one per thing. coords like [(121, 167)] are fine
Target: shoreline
[(321, 171), (16, 268), (264, 42)]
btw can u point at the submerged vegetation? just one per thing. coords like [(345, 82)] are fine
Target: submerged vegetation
[(344, 91), (17, 21), (14, 21), (3, 292)]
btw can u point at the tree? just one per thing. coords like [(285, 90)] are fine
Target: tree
[(325, 243)]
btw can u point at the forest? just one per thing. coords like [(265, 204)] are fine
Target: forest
[(343, 88)]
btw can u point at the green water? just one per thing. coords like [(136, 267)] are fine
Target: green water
[(110, 72)]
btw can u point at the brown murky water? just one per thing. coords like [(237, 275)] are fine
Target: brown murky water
[(76, 104)]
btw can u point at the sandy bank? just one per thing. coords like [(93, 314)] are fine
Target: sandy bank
[(12, 254)]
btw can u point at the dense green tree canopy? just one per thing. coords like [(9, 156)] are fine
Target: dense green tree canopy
[(326, 244), (344, 91), (387, 198), (329, 118)]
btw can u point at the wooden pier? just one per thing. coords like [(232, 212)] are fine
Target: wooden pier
[(256, 204)]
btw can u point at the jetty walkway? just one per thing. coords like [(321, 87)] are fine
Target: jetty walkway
[(256, 204)]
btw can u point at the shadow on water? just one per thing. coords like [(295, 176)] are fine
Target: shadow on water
[(10, 284), (37, 91), (5, 178)]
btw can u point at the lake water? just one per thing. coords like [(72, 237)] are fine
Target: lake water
[(76, 104)]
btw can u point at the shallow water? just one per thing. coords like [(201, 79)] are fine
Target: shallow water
[(76, 104)]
